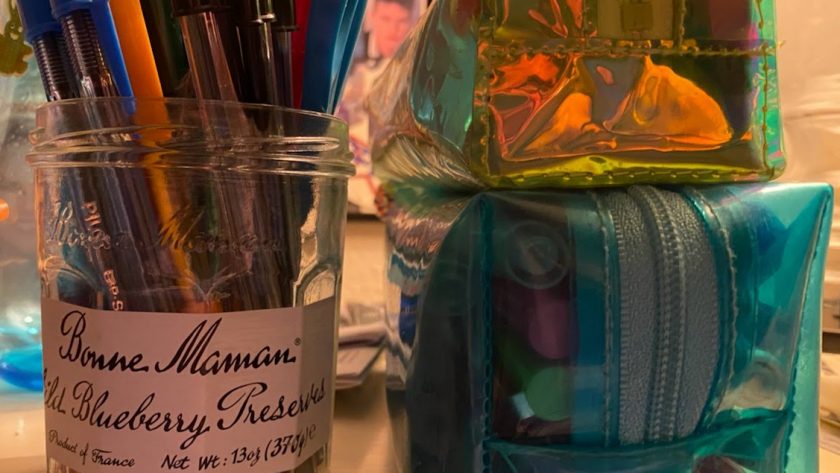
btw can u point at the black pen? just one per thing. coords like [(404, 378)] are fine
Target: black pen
[(257, 28), (284, 24), (254, 23), (218, 74)]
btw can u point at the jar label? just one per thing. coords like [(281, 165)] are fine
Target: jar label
[(234, 392)]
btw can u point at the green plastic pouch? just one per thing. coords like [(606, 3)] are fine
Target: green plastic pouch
[(578, 93), (643, 330)]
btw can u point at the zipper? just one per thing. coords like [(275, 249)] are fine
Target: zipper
[(668, 323), (636, 283), (670, 268)]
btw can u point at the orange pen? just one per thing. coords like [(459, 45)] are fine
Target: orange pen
[(145, 81), (136, 48)]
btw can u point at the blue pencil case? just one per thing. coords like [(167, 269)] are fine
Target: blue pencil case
[(632, 330)]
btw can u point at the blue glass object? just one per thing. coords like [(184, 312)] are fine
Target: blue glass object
[(20, 291), (23, 367), (631, 330)]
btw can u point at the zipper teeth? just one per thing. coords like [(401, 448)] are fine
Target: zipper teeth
[(637, 317), (671, 312), (625, 360)]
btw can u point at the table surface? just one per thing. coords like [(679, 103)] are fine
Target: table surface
[(361, 432)]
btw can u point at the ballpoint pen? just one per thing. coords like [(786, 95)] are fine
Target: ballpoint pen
[(282, 29), (298, 48), (211, 48), (94, 49), (254, 24), (331, 37), (143, 71), (115, 200), (168, 47), (353, 21), (136, 48), (264, 27), (43, 32), (322, 62), (215, 63), (81, 189)]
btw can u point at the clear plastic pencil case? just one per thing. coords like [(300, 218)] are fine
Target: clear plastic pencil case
[(636, 330), (538, 93)]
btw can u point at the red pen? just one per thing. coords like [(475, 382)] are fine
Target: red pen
[(302, 8)]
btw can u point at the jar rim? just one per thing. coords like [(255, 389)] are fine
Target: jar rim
[(119, 131)]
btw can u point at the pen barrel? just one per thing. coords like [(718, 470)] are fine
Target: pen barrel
[(257, 11), (214, 64), (285, 15), (85, 52), (167, 45), (52, 58), (259, 58), (183, 211), (282, 46)]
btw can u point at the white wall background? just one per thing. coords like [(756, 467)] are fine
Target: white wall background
[(809, 74)]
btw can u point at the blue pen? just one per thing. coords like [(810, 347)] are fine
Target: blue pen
[(93, 46), (322, 37), (43, 32), (353, 20)]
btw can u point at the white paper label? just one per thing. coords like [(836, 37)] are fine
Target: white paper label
[(146, 392)]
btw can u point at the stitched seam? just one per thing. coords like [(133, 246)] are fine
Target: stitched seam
[(589, 49), (484, 75), (645, 172), (487, 407), (765, 148), (729, 352)]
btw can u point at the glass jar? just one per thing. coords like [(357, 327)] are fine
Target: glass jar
[(183, 208)]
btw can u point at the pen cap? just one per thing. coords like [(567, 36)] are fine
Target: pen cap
[(194, 7), (37, 18), (284, 12)]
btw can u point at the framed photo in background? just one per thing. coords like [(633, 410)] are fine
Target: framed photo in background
[(387, 24)]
